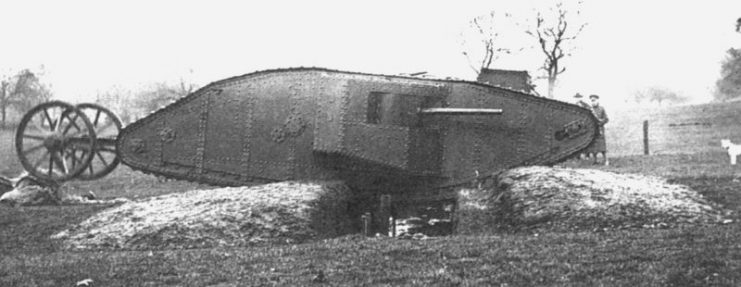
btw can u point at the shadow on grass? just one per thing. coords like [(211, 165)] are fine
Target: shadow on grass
[(27, 229)]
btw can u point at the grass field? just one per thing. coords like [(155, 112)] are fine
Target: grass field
[(692, 255)]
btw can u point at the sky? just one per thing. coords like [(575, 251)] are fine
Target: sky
[(90, 47)]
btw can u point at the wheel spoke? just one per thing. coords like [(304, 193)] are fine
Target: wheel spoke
[(83, 153), (71, 155), (59, 161), (90, 167), (79, 156), (40, 160), (40, 124), (81, 159), (33, 149), (34, 137), (72, 123), (51, 163), (105, 163), (48, 118), (97, 116), (60, 121), (57, 123)]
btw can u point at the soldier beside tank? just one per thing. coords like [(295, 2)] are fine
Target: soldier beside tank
[(599, 145), (579, 101)]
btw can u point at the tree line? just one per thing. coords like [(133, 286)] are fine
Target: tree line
[(728, 86), (133, 105), (20, 92), (25, 89)]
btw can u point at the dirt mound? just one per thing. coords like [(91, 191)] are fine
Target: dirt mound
[(286, 212), (579, 199)]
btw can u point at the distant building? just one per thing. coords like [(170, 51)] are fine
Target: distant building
[(508, 79)]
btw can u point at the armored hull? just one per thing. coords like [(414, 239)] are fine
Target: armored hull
[(372, 131)]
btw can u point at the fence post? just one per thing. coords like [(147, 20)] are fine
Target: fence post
[(384, 212), (366, 218), (645, 137)]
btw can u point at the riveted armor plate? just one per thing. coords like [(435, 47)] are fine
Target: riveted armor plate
[(369, 130)]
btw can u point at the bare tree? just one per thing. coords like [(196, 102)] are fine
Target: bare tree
[(484, 41), (554, 32), (21, 91)]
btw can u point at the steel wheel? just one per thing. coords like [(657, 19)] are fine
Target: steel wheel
[(106, 126), (55, 141)]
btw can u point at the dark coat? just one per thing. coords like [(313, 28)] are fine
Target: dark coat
[(599, 144)]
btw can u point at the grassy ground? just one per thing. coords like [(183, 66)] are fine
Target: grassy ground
[(681, 256)]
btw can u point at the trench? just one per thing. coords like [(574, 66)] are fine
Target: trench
[(401, 214)]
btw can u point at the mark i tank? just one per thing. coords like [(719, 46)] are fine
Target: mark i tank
[(390, 133)]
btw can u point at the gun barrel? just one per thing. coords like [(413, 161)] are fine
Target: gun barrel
[(460, 111)]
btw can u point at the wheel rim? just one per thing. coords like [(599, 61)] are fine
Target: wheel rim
[(106, 126), (55, 141)]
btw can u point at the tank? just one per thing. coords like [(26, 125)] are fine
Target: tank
[(389, 133)]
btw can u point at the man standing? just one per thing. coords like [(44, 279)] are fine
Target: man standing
[(579, 101), (599, 145)]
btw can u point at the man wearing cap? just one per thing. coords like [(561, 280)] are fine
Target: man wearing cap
[(599, 145)]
